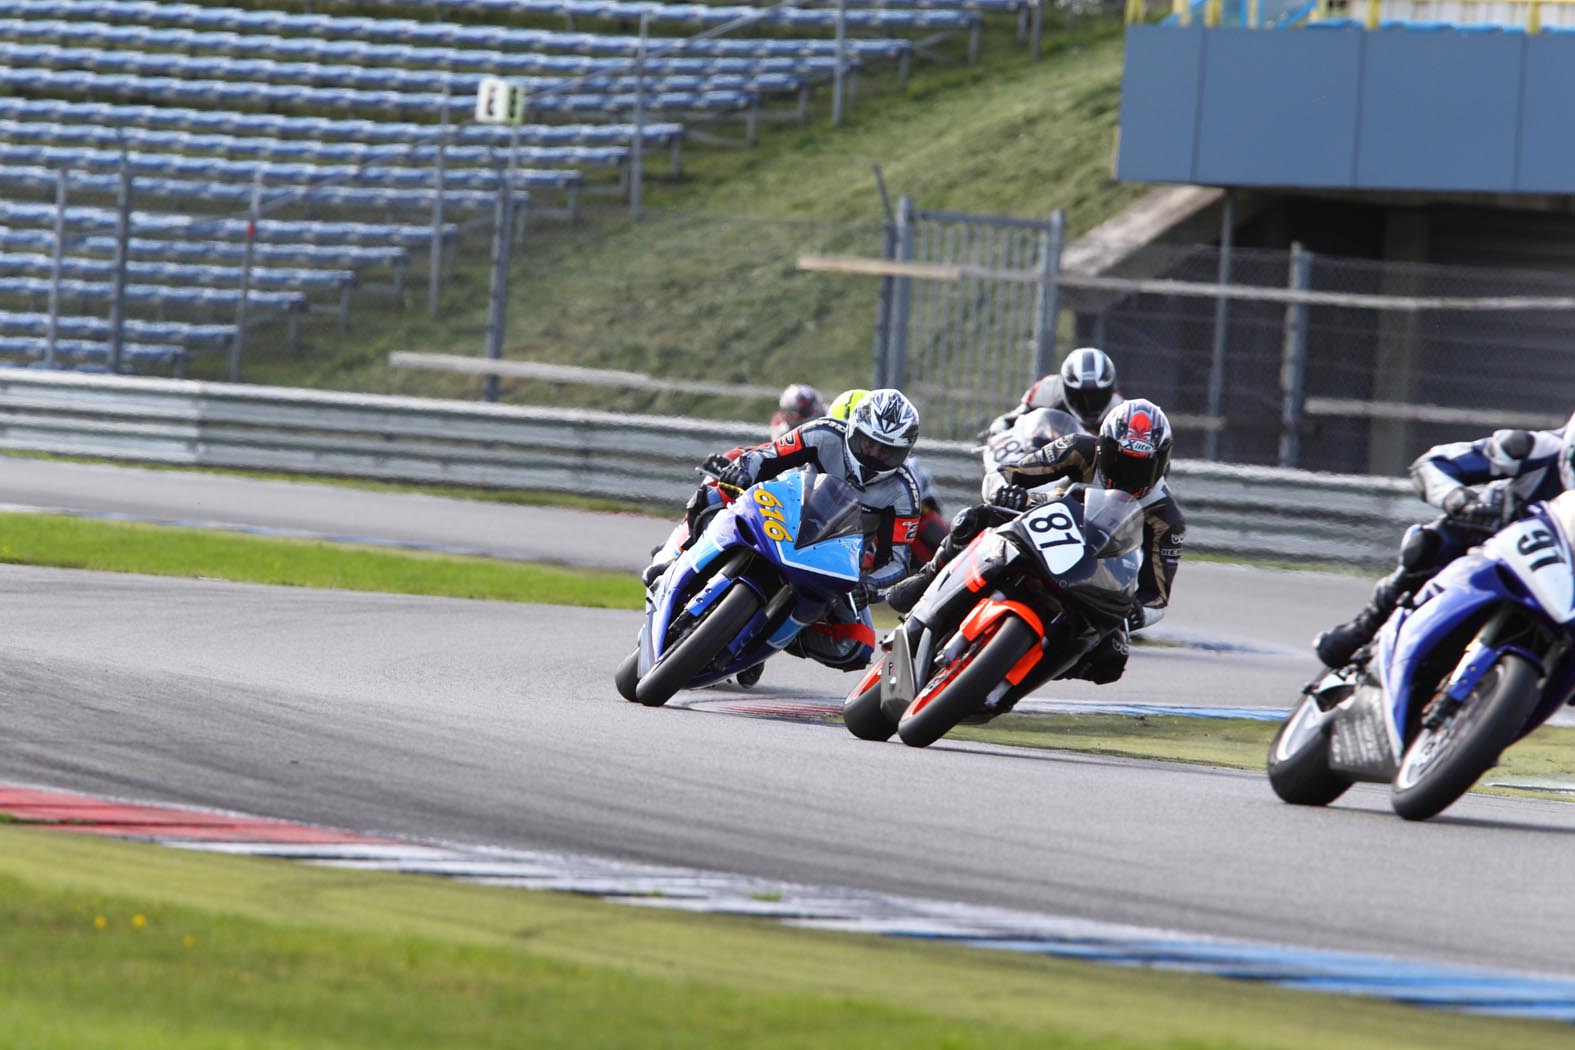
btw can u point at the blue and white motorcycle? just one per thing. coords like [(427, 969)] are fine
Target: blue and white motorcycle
[(1480, 657), (767, 565)]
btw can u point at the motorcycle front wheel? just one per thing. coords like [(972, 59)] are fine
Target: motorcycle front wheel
[(1442, 763), (957, 689), (1299, 759), (862, 712), (719, 625)]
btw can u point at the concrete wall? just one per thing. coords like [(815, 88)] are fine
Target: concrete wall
[(1391, 109)]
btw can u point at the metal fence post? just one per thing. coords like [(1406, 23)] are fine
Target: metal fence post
[(1047, 296), (117, 308), (54, 268), (883, 298), (842, 62), (1293, 361), (498, 290), (238, 344), (637, 152), (896, 362), (435, 263), (1211, 437)]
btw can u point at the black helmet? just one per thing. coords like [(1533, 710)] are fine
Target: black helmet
[(1088, 381), (1134, 447)]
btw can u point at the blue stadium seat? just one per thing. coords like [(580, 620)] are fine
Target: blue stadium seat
[(233, 93), (169, 224), (368, 78), (344, 257), (38, 264), (433, 34), (309, 49), (706, 14), (153, 294), (34, 348), (239, 194), (76, 327), (277, 173), (200, 121)]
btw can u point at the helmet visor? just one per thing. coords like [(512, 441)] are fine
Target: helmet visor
[(876, 457), (1087, 402), (1127, 471)]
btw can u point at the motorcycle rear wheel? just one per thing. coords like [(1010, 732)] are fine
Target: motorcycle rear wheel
[(1441, 764), (962, 695), (1299, 760), (720, 625), (862, 712)]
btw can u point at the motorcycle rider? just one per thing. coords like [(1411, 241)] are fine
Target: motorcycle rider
[(1468, 481), (798, 404), (1085, 387), (933, 525), (869, 451), (1130, 453)]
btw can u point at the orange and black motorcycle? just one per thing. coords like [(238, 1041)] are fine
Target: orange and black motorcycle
[(1020, 606)]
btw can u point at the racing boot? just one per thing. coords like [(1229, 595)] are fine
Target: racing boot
[(1337, 645), (905, 594)]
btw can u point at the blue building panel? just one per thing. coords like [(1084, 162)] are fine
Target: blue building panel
[(1547, 120), (1278, 103), (1159, 103), (1439, 110)]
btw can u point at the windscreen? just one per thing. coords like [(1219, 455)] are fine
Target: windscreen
[(831, 509), (1112, 522), (1044, 425)]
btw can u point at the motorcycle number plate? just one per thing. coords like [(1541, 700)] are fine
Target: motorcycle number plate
[(1055, 535)]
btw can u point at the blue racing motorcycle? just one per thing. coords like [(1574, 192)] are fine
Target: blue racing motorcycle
[(1477, 659), (767, 565)]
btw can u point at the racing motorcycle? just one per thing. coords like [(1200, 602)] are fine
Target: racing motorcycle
[(1477, 659), (767, 565), (1021, 605), (1030, 432)]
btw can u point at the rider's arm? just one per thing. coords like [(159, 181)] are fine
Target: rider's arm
[(793, 449), (1067, 457), (899, 527), (1443, 469), (1164, 530)]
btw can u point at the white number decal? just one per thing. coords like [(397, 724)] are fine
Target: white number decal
[(1055, 533), (1006, 449)]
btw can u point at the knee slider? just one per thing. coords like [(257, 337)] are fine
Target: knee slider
[(1420, 547)]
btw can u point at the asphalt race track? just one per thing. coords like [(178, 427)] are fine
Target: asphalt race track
[(496, 723)]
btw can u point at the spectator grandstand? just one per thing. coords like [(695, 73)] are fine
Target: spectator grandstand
[(287, 152)]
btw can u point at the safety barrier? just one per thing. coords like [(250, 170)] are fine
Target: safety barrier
[(1266, 512)]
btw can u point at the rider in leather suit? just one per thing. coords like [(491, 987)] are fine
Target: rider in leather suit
[(868, 451), (1085, 388), (1102, 460), (1535, 464)]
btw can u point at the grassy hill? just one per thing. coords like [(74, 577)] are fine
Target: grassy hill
[(705, 285)]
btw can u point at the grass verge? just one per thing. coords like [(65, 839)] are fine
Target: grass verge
[(77, 543), (122, 944), (1234, 743)]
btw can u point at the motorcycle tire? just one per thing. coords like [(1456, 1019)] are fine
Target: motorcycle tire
[(862, 713), (679, 665), (963, 693), (1299, 760), (1441, 764), (628, 675)]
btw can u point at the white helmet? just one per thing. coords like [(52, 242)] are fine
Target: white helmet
[(1088, 381), (1567, 456), (881, 433)]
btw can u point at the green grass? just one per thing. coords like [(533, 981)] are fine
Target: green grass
[(706, 284), (237, 952), (1234, 743), (76, 543)]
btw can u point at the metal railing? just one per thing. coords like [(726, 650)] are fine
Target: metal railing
[(1530, 15), (1265, 512)]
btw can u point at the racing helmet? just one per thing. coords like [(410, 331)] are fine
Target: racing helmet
[(843, 404), (1134, 447), (1088, 382), (881, 432), (798, 404), (1567, 456)]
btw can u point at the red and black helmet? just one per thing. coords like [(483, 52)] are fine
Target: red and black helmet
[(1134, 447)]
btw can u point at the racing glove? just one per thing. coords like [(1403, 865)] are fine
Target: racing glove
[(727, 472), (1468, 507), (1011, 497), (863, 595)]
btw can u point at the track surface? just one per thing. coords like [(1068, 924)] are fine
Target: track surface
[(497, 723)]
